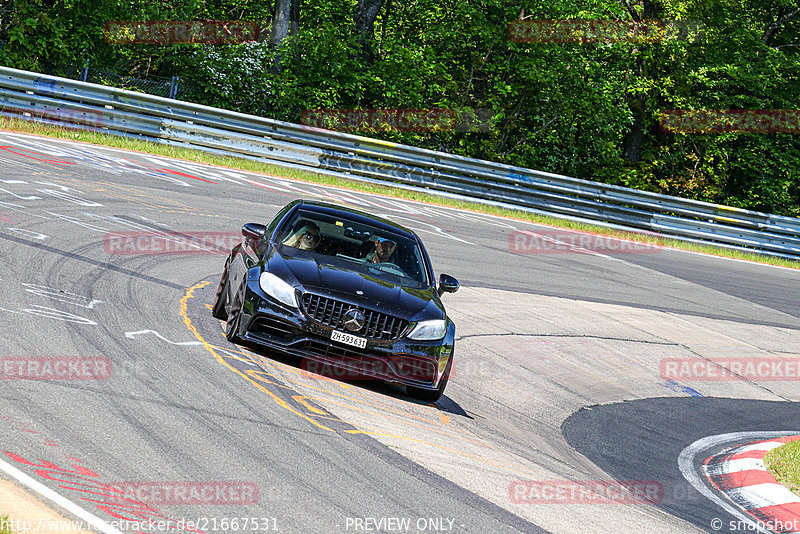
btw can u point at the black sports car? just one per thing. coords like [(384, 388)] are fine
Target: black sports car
[(344, 290)]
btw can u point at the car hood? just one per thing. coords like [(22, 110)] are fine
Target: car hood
[(328, 276)]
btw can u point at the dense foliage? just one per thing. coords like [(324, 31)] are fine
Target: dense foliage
[(587, 109)]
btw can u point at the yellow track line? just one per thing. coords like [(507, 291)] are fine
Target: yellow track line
[(280, 402), (400, 415)]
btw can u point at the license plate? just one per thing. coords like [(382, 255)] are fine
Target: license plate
[(349, 339)]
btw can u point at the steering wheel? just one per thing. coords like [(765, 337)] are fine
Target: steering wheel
[(391, 267)]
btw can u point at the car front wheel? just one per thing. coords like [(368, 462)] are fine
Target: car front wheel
[(218, 309), (235, 315)]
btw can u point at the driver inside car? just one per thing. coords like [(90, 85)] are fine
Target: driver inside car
[(306, 238), (384, 248)]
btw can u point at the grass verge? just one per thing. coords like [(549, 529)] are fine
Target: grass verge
[(5, 525), (98, 138), (784, 464)]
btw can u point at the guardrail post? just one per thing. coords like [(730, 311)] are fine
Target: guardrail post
[(173, 87), (85, 71)]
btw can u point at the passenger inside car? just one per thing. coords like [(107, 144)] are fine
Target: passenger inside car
[(384, 251), (307, 237)]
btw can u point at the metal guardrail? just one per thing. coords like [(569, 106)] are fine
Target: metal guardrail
[(78, 104)]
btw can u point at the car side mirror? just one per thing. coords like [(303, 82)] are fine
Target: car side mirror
[(447, 284), (254, 230)]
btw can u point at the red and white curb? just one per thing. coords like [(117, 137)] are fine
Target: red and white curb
[(740, 475)]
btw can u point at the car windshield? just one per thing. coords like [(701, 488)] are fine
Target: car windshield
[(353, 245)]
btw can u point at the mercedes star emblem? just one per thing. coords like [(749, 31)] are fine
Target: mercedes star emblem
[(354, 320)]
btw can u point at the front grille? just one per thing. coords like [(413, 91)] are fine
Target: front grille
[(274, 326), (330, 311), (335, 351)]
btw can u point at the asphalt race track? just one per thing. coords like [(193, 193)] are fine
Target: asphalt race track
[(561, 369)]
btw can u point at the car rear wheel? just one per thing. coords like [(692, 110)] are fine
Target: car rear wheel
[(432, 395), (235, 315)]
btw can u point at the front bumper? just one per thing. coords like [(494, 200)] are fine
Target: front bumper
[(414, 363)]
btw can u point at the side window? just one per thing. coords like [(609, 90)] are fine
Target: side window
[(278, 218)]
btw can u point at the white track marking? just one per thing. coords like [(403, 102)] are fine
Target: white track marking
[(28, 233), (62, 296), (736, 466), (29, 197), (22, 209), (571, 246), (94, 521), (767, 494), (765, 446), (436, 230), (130, 335)]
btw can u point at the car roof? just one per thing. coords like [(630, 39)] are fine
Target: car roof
[(357, 215)]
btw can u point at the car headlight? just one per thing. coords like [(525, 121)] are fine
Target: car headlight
[(429, 330), (277, 289)]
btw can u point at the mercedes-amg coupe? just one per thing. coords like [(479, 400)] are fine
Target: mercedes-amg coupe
[(344, 290)]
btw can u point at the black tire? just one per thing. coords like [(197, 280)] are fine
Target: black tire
[(432, 395), (218, 309), (235, 315)]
